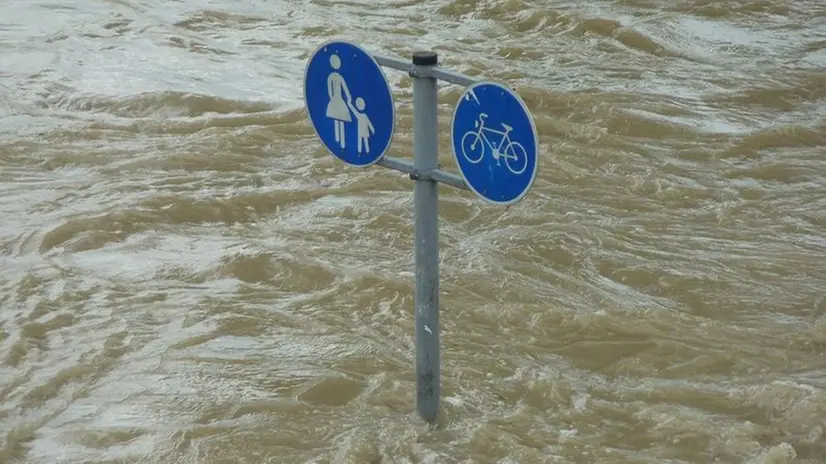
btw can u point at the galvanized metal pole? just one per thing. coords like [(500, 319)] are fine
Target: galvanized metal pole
[(426, 210)]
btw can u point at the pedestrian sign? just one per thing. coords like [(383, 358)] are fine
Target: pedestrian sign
[(349, 103)]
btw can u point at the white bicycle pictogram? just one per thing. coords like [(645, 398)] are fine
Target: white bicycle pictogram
[(474, 142)]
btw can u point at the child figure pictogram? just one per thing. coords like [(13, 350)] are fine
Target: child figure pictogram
[(364, 128)]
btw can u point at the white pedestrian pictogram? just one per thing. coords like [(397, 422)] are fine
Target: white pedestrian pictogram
[(340, 100), (340, 106), (364, 127)]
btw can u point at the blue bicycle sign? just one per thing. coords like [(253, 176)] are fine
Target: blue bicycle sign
[(475, 143), (494, 142)]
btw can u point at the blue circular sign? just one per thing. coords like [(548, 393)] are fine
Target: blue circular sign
[(349, 103), (495, 143)]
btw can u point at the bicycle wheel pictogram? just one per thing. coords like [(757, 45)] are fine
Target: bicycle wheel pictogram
[(473, 147), (516, 158)]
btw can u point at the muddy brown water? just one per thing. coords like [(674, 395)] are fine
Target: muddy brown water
[(186, 276)]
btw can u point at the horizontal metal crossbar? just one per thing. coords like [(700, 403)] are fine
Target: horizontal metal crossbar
[(435, 175), (434, 72)]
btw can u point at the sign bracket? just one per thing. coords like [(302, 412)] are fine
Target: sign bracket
[(438, 175)]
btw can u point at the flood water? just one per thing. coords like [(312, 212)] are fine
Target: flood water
[(187, 276)]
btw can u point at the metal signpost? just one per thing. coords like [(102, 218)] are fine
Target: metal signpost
[(494, 141)]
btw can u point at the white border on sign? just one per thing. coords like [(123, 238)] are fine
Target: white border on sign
[(387, 86), (528, 187)]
